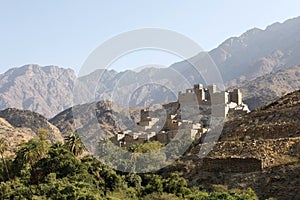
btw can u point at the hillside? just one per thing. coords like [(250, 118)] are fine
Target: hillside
[(269, 135), (27, 120), (279, 119), (19, 126), (95, 121), (14, 136), (264, 89), (110, 117)]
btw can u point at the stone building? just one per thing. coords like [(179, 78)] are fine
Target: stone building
[(221, 102), (146, 122), (190, 114), (236, 96)]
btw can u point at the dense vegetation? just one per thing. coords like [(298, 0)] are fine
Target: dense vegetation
[(43, 170)]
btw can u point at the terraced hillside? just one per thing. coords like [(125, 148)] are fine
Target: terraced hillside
[(277, 120), (269, 135)]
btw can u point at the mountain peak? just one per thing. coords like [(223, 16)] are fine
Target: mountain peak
[(47, 90)]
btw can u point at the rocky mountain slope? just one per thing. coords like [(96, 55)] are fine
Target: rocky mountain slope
[(270, 135), (255, 53), (46, 90), (276, 120), (258, 52), (270, 87), (110, 117), (31, 120), (18, 126), (13, 136), (49, 90), (95, 121), (129, 88)]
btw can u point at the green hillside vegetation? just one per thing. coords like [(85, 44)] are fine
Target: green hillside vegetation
[(44, 170)]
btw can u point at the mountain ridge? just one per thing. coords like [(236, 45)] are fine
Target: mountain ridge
[(50, 90), (270, 87), (46, 90)]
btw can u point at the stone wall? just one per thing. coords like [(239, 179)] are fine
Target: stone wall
[(236, 96), (232, 165), (145, 115), (165, 137), (171, 108)]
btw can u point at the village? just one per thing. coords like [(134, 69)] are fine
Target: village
[(191, 113)]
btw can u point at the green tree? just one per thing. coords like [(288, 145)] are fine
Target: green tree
[(112, 180), (60, 161), (146, 147), (133, 180), (3, 148), (43, 133), (176, 185), (94, 167), (74, 144), (29, 154), (161, 196), (154, 184)]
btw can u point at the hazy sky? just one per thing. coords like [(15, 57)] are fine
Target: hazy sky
[(65, 32)]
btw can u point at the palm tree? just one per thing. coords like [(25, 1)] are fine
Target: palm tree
[(33, 151), (3, 148), (74, 144)]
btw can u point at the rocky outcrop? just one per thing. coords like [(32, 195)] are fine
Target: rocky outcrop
[(32, 121), (14, 136), (267, 88), (110, 117), (232, 165)]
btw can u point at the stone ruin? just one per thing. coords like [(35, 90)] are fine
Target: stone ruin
[(225, 102), (191, 112)]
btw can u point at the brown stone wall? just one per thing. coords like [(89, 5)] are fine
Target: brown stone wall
[(171, 108), (162, 138), (236, 96), (171, 124), (232, 165), (144, 115)]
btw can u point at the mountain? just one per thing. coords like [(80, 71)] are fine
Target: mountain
[(14, 136), (50, 90), (239, 59), (31, 120), (255, 53), (258, 52), (46, 90), (18, 126), (94, 121), (129, 88), (110, 117), (269, 87)]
